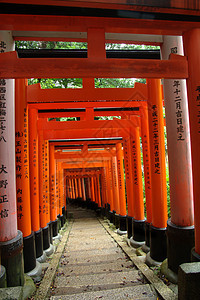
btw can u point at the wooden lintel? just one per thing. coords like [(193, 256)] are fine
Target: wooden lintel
[(88, 125), (62, 156), (14, 67), (20, 22), (36, 94), (82, 134)]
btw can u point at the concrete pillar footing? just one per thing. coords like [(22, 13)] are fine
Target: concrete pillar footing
[(42, 258), (50, 250), (120, 232), (36, 273), (169, 274), (57, 238), (136, 244), (12, 260), (180, 241), (151, 262), (188, 281), (145, 248)]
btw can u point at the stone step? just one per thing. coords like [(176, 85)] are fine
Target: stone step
[(138, 292), (91, 238), (94, 268), (99, 279), (93, 252), (93, 259), (89, 246)]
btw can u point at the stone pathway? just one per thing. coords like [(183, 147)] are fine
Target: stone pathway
[(93, 266)]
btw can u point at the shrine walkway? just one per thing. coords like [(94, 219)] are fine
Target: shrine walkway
[(93, 266)]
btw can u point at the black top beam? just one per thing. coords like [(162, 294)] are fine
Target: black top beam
[(30, 9), (82, 53)]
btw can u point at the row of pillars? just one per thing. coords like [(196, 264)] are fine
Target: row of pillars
[(28, 175), (32, 201)]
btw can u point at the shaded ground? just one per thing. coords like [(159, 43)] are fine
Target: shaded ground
[(93, 266)]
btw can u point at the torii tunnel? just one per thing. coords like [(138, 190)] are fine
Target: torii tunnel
[(46, 164)]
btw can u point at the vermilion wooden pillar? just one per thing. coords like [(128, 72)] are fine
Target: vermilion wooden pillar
[(110, 190), (22, 175), (34, 181), (139, 220), (76, 188), (147, 172), (59, 194), (63, 195), (92, 191), (98, 190), (191, 48), (158, 242), (80, 188), (129, 183), (115, 186), (180, 228), (121, 184), (47, 232), (83, 189), (42, 200), (104, 188), (95, 190), (52, 184), (73, 189), (70, 188), (10, 239), (44, 206)]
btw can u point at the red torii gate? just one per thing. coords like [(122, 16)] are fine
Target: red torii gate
[(130, 26)]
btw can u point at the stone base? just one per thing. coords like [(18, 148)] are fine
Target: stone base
[(38, 243), (120, 232), (55, 228), (169, 274), (180, 241), (7, 293), (29, 253), (116, 220), (64, 213), (188, 281), (103, 212), (111, 217), (122, 223), (158, 242), (50, 250), (151, 262), (59, 222), (12, 260), (147, 234), (3, 282), (42, 258), (46, 237), (139, 231), (29, 287), (36, 273), (135, 244), (129, 221), (50, 224)]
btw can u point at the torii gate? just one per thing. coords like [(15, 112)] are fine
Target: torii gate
[(175, 68)]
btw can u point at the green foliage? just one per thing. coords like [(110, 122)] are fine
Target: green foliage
[(49, 45)]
